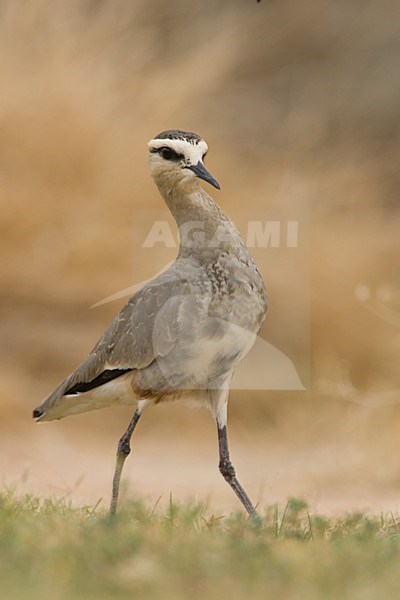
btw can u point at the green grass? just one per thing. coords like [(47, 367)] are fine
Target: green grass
[(50, 549)]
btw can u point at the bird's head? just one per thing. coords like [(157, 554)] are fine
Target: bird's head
[(177, 160)]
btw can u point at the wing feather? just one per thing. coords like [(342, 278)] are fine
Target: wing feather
[(134, 339)]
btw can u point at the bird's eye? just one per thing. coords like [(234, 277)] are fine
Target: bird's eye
[(168, 153)]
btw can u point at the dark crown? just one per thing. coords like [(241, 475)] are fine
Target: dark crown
[(177, 134)]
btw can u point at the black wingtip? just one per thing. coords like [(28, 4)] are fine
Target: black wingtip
[(37, 413)]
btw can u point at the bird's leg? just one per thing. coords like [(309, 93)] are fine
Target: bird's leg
[(124, 448), (227, 470)]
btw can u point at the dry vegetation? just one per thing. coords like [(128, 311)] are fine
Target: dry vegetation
[(299, 102)]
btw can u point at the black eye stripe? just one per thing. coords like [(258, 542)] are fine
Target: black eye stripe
[(167, 153), (170, 154)]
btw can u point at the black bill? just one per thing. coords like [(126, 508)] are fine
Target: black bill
[(201, 172)]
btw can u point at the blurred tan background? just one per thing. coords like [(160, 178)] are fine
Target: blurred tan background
[(299, 103)]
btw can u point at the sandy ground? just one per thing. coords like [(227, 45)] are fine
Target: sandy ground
[(56, 458), (339, 457)]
